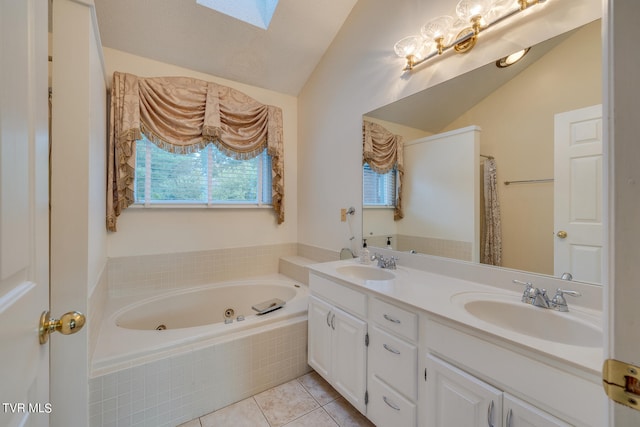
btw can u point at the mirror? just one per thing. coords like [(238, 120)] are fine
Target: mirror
[(512, 113)]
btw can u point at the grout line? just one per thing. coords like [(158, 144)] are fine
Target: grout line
[(261, 411)]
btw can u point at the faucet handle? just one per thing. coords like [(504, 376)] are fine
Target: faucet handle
[(529, 293), (568, 292), (520, 282), (558, 302)]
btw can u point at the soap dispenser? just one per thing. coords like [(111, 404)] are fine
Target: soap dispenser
[(389, 242), (364, 253)]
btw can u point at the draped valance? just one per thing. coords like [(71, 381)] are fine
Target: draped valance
[(183, 115), (383, 151)]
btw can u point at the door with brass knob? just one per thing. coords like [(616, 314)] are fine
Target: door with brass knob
[(68, 324), (578, 227), (24, 213)]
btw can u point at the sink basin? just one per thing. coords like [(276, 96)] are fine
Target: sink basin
[(363, 272), (508, 312)]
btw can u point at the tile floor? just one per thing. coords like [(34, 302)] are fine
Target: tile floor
[(308, 401)]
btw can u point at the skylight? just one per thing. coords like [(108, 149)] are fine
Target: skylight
[(254, 12)]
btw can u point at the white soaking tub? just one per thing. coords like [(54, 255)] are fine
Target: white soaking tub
[(170, 357)]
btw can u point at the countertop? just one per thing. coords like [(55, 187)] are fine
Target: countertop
[(438, 295)]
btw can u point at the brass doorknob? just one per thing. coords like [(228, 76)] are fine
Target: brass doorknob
[(561, 234), (68, 324)]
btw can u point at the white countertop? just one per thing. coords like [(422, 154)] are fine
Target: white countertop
[(434, 295)]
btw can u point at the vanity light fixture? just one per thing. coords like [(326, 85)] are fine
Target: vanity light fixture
[(445, 32), (509, 60)]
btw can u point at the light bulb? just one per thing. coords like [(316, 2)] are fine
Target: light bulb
[(408, 46), (470, 9), (437, 28)]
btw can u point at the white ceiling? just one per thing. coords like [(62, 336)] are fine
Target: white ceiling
[(183, 33)]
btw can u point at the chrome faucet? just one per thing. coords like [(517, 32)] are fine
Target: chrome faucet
[(558, 302), (389, 263), (539, 298)]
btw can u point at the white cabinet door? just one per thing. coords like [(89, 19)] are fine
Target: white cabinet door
[(455, 398), (349, 364), (319, 336), (521, 414), (337, 350)]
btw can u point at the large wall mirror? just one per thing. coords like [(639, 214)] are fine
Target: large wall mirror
[(540, 122)]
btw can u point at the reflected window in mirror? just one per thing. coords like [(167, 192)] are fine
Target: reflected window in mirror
[(379, 189)]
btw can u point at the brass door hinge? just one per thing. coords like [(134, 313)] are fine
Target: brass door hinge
[(621, 382)]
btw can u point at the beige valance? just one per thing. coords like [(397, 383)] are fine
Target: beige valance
[(383, 151), (183, 115)]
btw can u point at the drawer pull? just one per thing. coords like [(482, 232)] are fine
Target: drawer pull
[(391, 349), (509, 416), (328, 315), (490, 415), (391, 319), (391, 404), (333, 322)]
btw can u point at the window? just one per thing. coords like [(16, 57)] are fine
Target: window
[(207, 177), (378, 189)]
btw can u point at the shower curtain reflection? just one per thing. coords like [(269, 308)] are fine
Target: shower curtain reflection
[(491, 231)]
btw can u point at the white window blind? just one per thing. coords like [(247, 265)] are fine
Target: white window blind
[(378, 189), (207, 177)]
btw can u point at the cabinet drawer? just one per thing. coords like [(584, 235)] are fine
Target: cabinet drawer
[(352, 301), (395, 319), (394, 360), (387, 407)]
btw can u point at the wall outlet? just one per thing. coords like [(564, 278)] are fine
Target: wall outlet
[(343, 215)]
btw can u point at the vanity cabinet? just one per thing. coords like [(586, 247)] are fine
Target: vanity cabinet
[(337, 342), (403, 366), (457, 398), (393, 365)]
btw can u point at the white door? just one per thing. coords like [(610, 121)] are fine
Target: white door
[(578, 198), (319, 326), (455, 398), (24, 211), (522, 414), (349, 364)]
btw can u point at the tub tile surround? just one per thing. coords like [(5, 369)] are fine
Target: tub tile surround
[(184, 386), (307, 401), (141, 273), (135, 274)]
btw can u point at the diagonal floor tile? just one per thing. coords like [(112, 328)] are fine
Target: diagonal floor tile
[(316, 418), (346, 415), (285, 403), (319, 388), (245, 413)]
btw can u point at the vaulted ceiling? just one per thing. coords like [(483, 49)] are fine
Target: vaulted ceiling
[(184, 33)]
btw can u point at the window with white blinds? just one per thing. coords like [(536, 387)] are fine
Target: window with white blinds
[(207, 177), (378, 189)]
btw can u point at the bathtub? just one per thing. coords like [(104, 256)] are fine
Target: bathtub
[(133, 329), (195, 363)]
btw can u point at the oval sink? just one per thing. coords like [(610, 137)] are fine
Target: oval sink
[(363, 272), (505, 312)]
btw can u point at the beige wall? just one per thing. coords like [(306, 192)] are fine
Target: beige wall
[(517, 129), (157, 231)]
